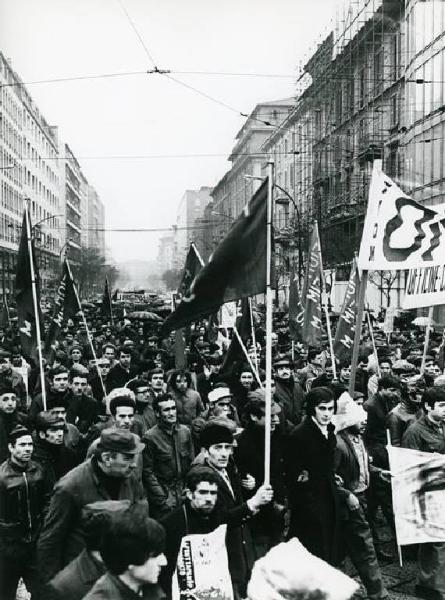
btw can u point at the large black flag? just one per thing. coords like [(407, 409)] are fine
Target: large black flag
[(107, 309), (347, 322), (66, 306), (24, 289), (236, 269), (193, 264)]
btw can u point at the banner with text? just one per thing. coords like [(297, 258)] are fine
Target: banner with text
[(425, 287), (399, 233)]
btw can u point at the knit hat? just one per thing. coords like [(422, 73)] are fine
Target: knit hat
[(215, 433), (219, 392), (348, 413), (274, 577)]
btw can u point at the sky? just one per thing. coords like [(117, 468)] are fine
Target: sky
[(128, 131)]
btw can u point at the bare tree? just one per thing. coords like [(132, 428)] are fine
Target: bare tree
[(384, 281)]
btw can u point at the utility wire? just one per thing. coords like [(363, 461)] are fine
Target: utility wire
[(133, 26)]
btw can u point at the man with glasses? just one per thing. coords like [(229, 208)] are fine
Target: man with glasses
[(188, 402), (145, 414), (99, 385)]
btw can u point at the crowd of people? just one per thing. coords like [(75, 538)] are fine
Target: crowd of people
[(124, 454)]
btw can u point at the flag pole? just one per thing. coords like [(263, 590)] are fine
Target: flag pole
[(269, 300), (249, 360), (358, 330), (427, 338), (328, 321), (388, 448), (84, 321), (252, 326), (371, 333), (36, 305)]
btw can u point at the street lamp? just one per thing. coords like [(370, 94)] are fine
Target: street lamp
[(285, 201)]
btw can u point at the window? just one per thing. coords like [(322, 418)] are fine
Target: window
[(361, 87), (394, 114), (378, 71)]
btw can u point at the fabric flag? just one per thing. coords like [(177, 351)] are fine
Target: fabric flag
[(418, 489), (24, 290), (312, 323), (5, 319), (344, 335), (398, 232), (202, 569), (107, 309), (296, 310), (236, 269), (235, 353), (193, 264), (115, 295), (66, 306)]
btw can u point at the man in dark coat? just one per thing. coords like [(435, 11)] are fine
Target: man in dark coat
[(288, 391), (313, 496), (9, 418), (109, 475), (122, 371)]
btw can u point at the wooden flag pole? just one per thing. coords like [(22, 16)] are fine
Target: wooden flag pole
[(374, 349), (249, 360), (427, 338), (36, 306), (252, 326), (84, 321), (358, 330), (389, 446), (269, 307)]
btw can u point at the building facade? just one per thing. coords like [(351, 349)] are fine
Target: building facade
[(191, 208), (93, 221), (166, 253), (73, 194)]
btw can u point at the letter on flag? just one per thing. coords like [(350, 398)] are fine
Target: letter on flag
[(202, 569), (312, 324), (418, 488), (399, 233), (236, 269), (24, 294), (344, 335), (66, 306)]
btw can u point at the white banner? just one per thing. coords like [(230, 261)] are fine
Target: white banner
[(228, 314), (399, 233), (202, 569), (418, 493), (425, 287)]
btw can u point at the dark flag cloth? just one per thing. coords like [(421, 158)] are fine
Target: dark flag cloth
[(212, 329), (296, 310), (24, 295), (193, 264), (312, 323), (5, 319), (107, 310), (115, 293), (235, 353), (66, 306), (347, 322), (236, 269)]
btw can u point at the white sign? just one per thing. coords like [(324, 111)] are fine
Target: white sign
[(425, 287), (399, 233), (202, 569), (228, 314)]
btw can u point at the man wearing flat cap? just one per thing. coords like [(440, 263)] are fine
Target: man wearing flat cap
[(288, 393), (108, 475)]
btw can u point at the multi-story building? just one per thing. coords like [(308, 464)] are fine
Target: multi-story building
[(191, 207), (28, 172), (73, 192), (166, 253), (93, 221)]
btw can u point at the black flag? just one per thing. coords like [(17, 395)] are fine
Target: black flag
[(107, 309), (24, 289), (66, 306), (236, 269)]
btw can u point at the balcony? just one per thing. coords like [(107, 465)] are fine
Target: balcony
[(370, 146)]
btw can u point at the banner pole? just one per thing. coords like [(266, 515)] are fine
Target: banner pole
[(427, 338), (252, 326), (269, 309), (249, 360), (371, 333), (389, 446), (358, 330), (36, 305), (84, 321)]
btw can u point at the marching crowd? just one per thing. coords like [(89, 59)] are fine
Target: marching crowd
[(103, 475)]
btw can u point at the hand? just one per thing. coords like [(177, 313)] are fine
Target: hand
[(385, 475), (264, 495), (338, 480), (352, 502), (303, 476), (248, 482)]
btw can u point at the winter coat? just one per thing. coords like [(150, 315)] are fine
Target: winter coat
[(61, 539), (289, 394), (76, 579), (188, 405), (110, 587), (55, 460)]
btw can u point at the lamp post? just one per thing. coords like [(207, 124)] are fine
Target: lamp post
[(283, 201)]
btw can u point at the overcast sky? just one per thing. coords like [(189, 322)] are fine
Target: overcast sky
[(146, 115)]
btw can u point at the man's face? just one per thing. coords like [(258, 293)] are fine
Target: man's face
[(385, 368), (79, 385), (324, 413), (107, 333), (104, 367), (54, 436), (246, 380), (157, 382), (284, 372), (167, 412), (218, 455), (5, 365), (16, 360), (317, 360), (222, 406), (215, 368), (59, 412), (345, 373), (124, 418), (158, 361), (432, 369), (203, 498), (261, 421), (120, 464), (143, 394), (60, 382), (149, 572), (438, 412), (274, 339), (181, 384), (8, 403), (109, 353), (391, 394), (125, 359), (21, 450), (76, 355)]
